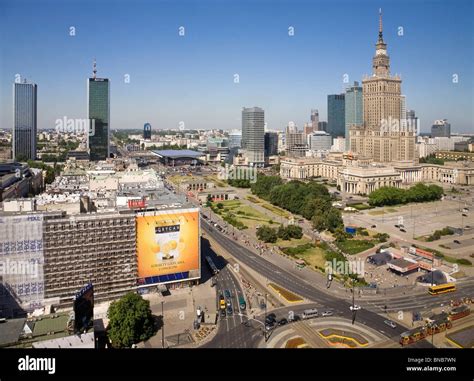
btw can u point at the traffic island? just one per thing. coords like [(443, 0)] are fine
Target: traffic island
[(339, 337)]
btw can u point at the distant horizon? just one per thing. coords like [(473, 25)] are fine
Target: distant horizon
[(160, 77)]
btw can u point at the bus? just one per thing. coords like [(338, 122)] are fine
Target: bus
[(211, 265), (442, 288), (242, 303), (308, 314)]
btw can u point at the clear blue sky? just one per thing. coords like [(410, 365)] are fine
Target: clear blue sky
[(191, 78)]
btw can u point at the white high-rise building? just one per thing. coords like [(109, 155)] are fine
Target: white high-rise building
[(253, 135)]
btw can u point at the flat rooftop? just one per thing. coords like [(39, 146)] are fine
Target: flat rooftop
[(173, 154)]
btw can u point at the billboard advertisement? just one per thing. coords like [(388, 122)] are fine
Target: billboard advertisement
[(84, 308), (168, 245), (22, 260)]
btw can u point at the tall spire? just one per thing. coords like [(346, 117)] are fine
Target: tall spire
[(380, 25), (94, 70)]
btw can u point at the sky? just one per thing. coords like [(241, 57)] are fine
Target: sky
[(160, 77)]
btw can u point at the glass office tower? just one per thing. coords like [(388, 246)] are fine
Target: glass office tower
[(24, 120), (98, 94)]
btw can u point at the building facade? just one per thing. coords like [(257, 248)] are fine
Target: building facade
[(24, 120), (383, 136), (147, 131), (253, 135), (353, 110), (98, 111), (271, 144), (319, 141), (441, 129), (336, 115)]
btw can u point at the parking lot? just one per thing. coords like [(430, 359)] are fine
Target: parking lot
[(420, 220)]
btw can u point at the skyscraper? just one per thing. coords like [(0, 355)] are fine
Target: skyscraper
[(24, 120), (336, 115), (147, 131), (323, 126), (441, 129), (98, 111), (253, 131), (271, 143), (354, 113), (315, 119), (235, 139), (382, 138)]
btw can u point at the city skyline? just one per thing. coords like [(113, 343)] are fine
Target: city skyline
[(180, 81)]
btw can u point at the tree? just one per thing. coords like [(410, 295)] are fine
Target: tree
[(294, 231), (283, 233), (340, 235), (220, 205), (267, 234), (130, 321)]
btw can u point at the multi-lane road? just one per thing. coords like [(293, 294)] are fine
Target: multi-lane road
[(249, 335)]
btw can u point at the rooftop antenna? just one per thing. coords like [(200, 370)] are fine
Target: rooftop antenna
[(94, 70), (380, 24)]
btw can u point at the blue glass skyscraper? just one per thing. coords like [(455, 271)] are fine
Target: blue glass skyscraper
[(336, 115), (354, 111)]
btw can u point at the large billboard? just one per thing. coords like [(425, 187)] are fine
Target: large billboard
[(22, 260), (168, 246)]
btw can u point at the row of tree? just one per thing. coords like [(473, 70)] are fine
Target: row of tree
[(394, 196), (270, 235), (310, 200)]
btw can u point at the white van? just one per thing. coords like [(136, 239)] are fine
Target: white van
[(311, 313)]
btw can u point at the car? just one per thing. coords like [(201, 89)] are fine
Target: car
[(373, 226), (403, 230), (230, 311), (464, 215), (327, 313), (227, 293), (223, 314), (390, 323), (269, 326), (355, 307), (294, 318), (397, 226), (283, 322), (457, 241)]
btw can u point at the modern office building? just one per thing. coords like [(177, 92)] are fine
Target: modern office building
[(354, 112), (98, 111), (319, 141), (441, 129), (381, 138), (323, 126), (24, 120), (296, 144), (336, 115), (315, 119), (253, 135), (147, 131), (271, 144), (235, 139)]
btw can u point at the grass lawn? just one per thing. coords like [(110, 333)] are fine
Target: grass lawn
[(253, 199), (243, 213), (314, 256), (376, 212), (361, 206), (216, 181), (354, 246), (384, 211), (285, 294)]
